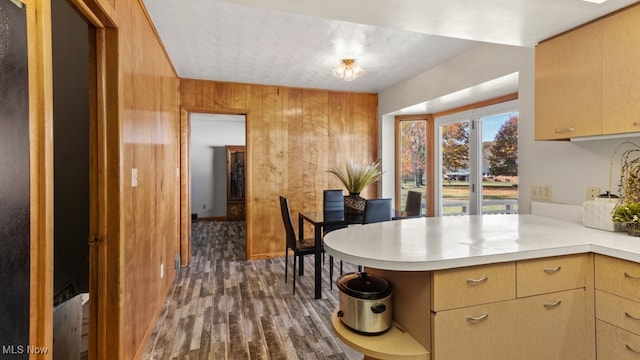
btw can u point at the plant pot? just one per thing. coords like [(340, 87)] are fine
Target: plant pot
[(633, 228), (353, 208)]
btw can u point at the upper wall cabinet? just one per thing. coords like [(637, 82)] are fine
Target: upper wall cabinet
[(588, 80), (569, 84), (621, 72)]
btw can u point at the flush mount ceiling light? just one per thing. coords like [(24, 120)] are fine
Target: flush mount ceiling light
[(348, 69), (595, 1)]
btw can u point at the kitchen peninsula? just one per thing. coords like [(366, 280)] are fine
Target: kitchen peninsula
[(504, 286)]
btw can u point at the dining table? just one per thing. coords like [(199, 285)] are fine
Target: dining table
[(318, 219)]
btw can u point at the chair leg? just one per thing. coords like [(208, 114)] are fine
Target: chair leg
[(340, 267), (286, 265), (330, 272), (301, 266), (294, 273)]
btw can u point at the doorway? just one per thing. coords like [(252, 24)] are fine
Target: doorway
[(71, 121), (212, 177), (208, 131)]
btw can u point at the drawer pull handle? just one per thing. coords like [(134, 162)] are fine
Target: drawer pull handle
[(477, 318), (636, 123), (564, 130), (626, 274), (552, 270), (631, 349), (631, 316), (549, 305), (477, 281)]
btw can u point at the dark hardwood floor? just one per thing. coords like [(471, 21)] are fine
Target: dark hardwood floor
[(223, 307)]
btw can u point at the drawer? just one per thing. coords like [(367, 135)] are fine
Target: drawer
[(619, 277), (553, 326), (618, 311), (614, 343), (474, 285), (545, 275), (483, 332)]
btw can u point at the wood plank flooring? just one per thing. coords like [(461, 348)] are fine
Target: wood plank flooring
[(223, 307)]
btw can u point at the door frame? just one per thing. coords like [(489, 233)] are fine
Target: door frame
[(185, 176)]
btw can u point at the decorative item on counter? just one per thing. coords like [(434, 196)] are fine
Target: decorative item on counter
[(627, 210), (597, 213), (354, 179), (629, 215)]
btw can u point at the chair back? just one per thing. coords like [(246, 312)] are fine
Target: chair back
[(333, 209), (376, 210), (288, 224), (413, 206)]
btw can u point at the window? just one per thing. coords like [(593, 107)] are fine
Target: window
[(413, 159), (477, 161)]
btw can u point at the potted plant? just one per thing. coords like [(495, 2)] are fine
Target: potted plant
[(629, 214), (355, 177), (627, 210)]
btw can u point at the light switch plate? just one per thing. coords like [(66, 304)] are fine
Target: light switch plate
[(134, 177)]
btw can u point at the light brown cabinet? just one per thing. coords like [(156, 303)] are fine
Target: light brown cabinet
[(568, 85), (553, 326), (621, 72), (477, 332), (552, 308), (617, 284), (529, 309), (587, 81)]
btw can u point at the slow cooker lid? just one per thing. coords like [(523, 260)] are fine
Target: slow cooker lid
[(364, 286)]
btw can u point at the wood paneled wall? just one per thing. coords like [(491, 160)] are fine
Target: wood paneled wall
[(293, 137), (150, 143)]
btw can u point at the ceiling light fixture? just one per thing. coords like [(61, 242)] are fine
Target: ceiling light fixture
[(348, 69), (595, 1)]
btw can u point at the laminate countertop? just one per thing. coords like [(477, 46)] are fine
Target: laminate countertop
[(434, 243)]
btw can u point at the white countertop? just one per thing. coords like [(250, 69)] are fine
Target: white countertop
[(435, 243)]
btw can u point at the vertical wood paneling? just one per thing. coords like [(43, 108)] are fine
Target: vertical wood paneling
[(150, 138), (38, 16), (293, 137)]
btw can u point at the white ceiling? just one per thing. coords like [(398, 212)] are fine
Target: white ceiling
[(297, 43)]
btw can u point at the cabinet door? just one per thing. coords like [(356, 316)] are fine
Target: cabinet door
[(615, 343), (621, 72), (553, 326), (568, 84), (478, 332)]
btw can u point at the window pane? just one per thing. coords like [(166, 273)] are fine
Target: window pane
[(455, 168), (500, 164), (413, 160)]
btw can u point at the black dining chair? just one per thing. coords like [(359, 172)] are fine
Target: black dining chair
[(300, 247), (333, 213), (413, 206), (376, 210)]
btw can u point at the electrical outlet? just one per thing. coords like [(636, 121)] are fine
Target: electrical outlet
[(592, 192)]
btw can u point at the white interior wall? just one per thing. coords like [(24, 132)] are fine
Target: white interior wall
[(569, 167), (209, 134)]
